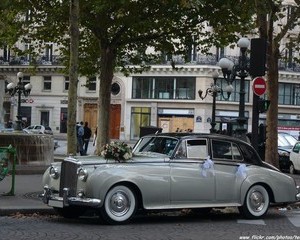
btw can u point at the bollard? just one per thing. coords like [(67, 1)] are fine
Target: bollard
[(8, 165)]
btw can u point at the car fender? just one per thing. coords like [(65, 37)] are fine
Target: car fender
[(149, 183), (281, 187)]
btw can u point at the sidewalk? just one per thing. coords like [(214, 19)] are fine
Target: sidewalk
[(25, 200)]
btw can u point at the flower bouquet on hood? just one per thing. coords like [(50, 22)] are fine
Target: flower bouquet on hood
[(117, 151)]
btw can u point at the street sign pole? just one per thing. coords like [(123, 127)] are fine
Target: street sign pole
[(259, 88)]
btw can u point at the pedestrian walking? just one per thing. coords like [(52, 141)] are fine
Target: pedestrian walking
[(87, 133), (80, 133)]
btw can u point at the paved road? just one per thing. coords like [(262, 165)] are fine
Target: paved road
[(223, 225)]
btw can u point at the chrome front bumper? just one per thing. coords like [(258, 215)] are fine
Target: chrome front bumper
[(53, 200)]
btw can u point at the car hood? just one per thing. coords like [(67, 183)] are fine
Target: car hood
[(137, 158), (285, 149)]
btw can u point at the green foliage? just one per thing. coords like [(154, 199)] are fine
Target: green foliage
[(130, 27)]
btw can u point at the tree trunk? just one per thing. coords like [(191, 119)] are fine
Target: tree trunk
[(73, 77), (271, 154), (108, 57), (2, 90)]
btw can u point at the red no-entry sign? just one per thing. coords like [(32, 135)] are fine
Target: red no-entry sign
[(259, 86)]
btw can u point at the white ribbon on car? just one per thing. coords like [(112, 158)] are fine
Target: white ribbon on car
[(207, 166), (241, 171)]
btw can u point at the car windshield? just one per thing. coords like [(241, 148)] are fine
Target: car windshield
[(286, 140), (164, 145)]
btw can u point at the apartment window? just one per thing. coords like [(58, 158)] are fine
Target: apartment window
[(6, 54), (285, 92), (289, 94), (26, 80), (91, 84), (47, 83), (28, 49), (28, 15), (235, 95), (192, 50), (67, 83), (48, 52), (220, 53), (163, 88)]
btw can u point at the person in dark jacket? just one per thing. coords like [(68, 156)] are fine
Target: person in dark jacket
[(86, 137)]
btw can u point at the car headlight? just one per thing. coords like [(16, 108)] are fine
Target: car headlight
[(53, 172), (82, 174)]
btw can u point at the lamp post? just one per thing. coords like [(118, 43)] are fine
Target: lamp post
[(214, 90), (230, 71), (12, 88)]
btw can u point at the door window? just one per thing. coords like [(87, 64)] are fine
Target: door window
[(225, 150)]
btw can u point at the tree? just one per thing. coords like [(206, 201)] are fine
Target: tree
[(118, 34), (73, 76), (275, 25)]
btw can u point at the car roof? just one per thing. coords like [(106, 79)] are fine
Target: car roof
[(185, 135)]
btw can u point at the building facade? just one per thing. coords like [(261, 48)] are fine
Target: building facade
[(162, 97)]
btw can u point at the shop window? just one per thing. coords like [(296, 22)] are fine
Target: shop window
[(140, 117)]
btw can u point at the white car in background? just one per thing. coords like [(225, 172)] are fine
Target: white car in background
[(295, 158), (39, 129)]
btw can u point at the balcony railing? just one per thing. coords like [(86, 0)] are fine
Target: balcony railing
[(24, 60), (177, 59)]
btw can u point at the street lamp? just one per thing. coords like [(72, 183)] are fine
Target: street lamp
[(12, 88), (214, 90), (230, 71)]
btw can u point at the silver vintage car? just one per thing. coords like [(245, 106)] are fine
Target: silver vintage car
[(166, 172)]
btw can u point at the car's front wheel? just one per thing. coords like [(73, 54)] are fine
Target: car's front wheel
[(256, 203), (120, 204)]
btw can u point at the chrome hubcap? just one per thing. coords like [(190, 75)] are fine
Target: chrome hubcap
[(119, 204), (257, 201)]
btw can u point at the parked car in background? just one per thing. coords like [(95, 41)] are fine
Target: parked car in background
[(167, 171), (4, 129), (285, 144), (40, 129), (295, 158)]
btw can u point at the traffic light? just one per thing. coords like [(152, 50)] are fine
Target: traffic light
[(263, 105), (258, 57)]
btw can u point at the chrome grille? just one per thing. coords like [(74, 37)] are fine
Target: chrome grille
[(68, 177)]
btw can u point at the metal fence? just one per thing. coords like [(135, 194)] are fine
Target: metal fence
[(8, 166)]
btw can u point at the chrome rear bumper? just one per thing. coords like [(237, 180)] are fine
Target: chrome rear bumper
[(53, 200)]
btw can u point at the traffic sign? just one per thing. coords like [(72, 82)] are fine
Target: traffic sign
[(259, 86)]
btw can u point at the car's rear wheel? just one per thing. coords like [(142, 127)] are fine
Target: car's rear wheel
[(120, 205), (256, 202), (292, 168)]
